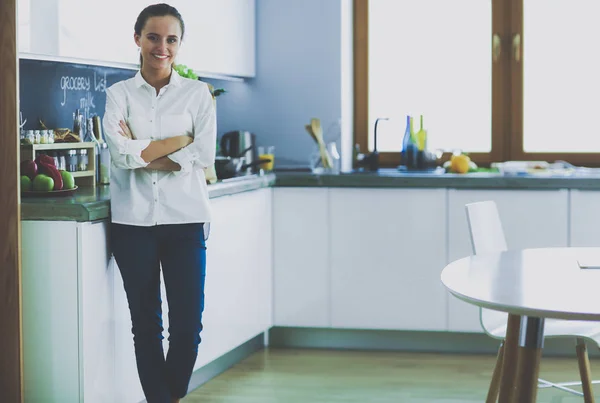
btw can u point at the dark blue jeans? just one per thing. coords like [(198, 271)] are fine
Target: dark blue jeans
[(140, 252)]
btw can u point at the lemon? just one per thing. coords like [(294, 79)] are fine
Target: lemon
[(460, 163)]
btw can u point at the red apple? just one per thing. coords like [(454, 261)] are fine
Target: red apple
[(29, 168)]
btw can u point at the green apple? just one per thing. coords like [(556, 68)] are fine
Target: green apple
[(25, 183), (68, 180), (43, 183)]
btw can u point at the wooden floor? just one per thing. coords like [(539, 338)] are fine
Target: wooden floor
[(324, 376)]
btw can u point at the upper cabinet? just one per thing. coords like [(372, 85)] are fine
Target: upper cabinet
[(219, 35)]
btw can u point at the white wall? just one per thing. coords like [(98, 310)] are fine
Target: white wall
[(298, 76)]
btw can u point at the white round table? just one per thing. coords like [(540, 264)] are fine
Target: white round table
[(531, 285)]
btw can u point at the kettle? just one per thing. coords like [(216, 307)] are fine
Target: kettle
[(240, 144)]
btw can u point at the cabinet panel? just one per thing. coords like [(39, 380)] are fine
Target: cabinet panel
[(585, 218), (220, 36), (233, 311), (97, 320), (50, 311), (388, 250), (301, 258)]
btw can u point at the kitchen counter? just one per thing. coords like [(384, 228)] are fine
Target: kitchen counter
[(392, 178), (92, 204)]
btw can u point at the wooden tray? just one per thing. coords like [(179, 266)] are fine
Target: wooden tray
[(52, 193)]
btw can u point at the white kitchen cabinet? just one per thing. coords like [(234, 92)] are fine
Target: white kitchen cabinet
[(98, 30), (264, 235), (530, 219), (388, 248), (96, 319), (50, 312), (67, 312), (219, 38), (79, 29), (301, 262), (38, 26), (235, 309), (584, 218)]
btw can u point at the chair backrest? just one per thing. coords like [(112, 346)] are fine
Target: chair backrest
[(487, 236), (485, 227)]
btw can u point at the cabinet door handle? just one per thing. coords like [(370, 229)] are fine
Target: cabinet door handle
[(496, 47), (517, 47)]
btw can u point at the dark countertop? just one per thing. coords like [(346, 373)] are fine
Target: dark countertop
[(91, 204), (391, 178)]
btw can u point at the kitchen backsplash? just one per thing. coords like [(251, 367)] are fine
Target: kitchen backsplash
[(52, 91)]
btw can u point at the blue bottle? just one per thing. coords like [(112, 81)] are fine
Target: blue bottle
[(408, 146)]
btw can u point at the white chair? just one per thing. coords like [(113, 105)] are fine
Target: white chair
[(487, 236)]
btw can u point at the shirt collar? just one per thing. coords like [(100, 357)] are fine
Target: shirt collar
[(175, 79)]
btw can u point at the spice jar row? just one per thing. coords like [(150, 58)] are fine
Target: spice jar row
[(29, 137), (70, 160)]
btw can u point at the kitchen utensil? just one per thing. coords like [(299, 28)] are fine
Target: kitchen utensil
[(312, 135), (237, 144), (317, 130), (228, 167), (316, 162)]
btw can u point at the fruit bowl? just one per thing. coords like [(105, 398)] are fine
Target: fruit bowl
[(51, 193)]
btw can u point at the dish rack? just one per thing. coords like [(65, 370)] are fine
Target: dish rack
[(85, 178)]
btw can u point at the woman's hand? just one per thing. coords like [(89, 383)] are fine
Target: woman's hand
[(186, 140), (125, 130)]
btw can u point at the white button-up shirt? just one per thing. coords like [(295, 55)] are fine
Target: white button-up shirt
[(146, 197)]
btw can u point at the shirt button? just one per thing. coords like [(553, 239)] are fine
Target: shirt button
[(155, 183)]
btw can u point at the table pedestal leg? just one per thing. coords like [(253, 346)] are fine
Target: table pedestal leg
[(509, 364), (531, 342)]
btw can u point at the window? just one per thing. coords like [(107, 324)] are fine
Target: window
[(464, 66)]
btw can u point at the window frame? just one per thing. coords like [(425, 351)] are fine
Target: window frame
[(507, 92)]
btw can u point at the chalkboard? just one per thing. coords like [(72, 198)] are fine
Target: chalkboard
[(51, 91)]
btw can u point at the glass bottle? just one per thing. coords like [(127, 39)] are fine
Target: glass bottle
[(408, 146)]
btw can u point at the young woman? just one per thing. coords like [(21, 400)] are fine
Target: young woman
[(161, 132)]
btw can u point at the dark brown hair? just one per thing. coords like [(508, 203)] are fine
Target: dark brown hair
[(157, 10)]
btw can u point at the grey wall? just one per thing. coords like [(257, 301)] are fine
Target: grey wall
[(298, 76)]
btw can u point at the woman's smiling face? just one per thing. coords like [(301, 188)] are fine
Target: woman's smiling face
[(159, 42)]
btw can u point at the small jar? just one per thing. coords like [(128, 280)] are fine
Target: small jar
[(43, 136), (62, 161), (71, 161), (37, 137), (82, 163), (54, 156), (50, 136), (28, 137)]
